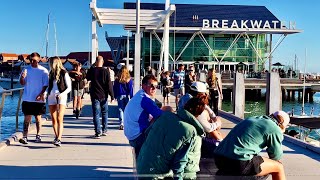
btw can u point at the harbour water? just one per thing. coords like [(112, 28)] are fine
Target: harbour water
[(252, 108), (257, 108)]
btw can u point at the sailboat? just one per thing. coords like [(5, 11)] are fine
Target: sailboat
[(310, 122), (45, 64)]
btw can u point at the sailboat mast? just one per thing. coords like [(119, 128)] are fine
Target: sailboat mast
[(55, 37), (304, 81), (47, 36)]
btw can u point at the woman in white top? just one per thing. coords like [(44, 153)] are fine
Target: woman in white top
[(59, 87)]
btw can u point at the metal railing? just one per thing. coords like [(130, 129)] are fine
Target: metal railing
[(9, 92)]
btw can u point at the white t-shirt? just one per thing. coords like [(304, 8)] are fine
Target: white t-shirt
[(204, 118), (35, 80)]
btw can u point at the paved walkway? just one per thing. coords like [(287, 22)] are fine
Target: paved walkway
[(82, 157)]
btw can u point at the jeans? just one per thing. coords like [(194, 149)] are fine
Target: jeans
[(137, 143), (122, 103), (97, 107)]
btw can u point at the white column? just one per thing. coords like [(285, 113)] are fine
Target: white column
[(166, 40), (94, 46), (150, 48), (270, 55), (128, 48), (137, 50)]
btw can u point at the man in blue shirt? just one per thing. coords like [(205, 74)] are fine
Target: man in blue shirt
[(140, 110), (178, 82)]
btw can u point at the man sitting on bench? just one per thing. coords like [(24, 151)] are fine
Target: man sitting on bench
[(237, 154)]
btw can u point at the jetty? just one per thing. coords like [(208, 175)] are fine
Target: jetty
[(83, 157)]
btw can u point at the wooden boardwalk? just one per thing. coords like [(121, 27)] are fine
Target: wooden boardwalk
[(82, 157)]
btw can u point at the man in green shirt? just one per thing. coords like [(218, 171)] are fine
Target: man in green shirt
[(237, 154)]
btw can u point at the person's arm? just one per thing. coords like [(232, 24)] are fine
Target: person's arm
[(150, 107), (89, 74), (274, 145), (23, 76), (203, 119), (110, 86), (130, 86)]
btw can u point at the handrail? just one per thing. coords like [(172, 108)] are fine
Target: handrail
[(5, 93)]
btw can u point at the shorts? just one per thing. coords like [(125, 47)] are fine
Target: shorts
[(52, 100), (33, 108), (179, 91), (165, 92), (234, 167), (78, 92)]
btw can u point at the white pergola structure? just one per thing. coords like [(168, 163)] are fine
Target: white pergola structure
[(239, 32), (154, 19)]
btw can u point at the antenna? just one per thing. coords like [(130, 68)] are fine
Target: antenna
[(47, 36), (55, 37)]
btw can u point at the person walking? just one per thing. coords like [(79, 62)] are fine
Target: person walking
[(140, 112), (215, 90), (178, 82), (190, 77), (59, 87), (123, 91), (100, 89), (237, 154), (35, 80), (78, 76)]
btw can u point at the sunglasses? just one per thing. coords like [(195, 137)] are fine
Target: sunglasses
[(153, 86)]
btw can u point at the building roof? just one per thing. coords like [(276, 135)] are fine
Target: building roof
[(9, 55), (83, 57), (185, 13), (192, 15)]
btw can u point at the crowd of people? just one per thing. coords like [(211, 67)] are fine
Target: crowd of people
[(52, 87), (166, 143)]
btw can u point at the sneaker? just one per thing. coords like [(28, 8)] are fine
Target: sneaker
[(38, 139), (121, 127), (54, 141), (23, 140), (57, 142), (104, 134), (97, 136)]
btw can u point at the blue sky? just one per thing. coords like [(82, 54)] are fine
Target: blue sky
[(24, 22)]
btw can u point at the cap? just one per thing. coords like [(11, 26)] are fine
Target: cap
[(284, 115), (198, 87), (119, 66), (293, 132)]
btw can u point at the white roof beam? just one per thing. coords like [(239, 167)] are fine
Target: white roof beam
[(167, 13)]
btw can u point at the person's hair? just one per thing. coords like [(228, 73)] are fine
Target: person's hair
[(124, 75), (279, 120), (34, 54), (148, 77), (213, 76), (180, 65), (76, 64), (167, 73), (55, 67), (196, 105)]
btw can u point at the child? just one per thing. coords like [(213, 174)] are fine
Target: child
[(166, 84)]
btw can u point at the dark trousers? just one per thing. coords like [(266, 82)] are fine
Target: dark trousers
[(214, 100)]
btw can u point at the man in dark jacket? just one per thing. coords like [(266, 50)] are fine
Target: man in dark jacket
[(100, 89)]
